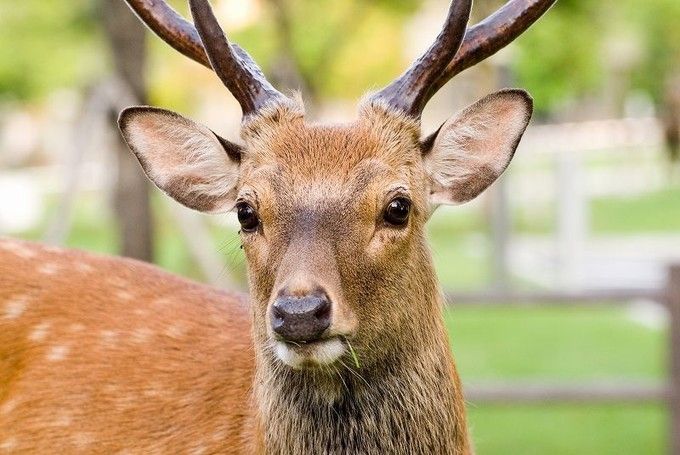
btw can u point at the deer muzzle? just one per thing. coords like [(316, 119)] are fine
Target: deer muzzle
[(301, 319)]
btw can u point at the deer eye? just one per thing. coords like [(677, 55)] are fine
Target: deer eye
[(397, 212), (247, 216)]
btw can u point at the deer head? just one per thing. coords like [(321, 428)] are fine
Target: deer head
[(332, 216)]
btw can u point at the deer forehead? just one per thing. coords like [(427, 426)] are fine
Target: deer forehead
[(330, 160)]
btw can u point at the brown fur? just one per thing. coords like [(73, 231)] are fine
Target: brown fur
[(102, 354)]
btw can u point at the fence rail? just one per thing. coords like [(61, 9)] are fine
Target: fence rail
[(616, 390), (594, 297), (589, 392)]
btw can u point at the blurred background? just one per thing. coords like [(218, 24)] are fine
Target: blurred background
[(590, 203)]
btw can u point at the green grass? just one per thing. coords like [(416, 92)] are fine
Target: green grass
[(567, 430), (559, 344), (554, 343), (653, 212)]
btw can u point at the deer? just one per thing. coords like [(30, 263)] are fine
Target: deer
[(340, 345)]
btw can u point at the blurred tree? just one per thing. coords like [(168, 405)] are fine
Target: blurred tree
[(657, 22), (335, 49), (670, 116), (126, 38), (47, 44), (565, 58), (347, 47), (559, 59)]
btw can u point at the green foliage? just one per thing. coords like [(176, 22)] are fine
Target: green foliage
[(564, 56), (346, 47), (558, 57), (46, 44), (659, 26)]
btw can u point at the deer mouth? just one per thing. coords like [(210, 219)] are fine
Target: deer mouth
[(310, 354)]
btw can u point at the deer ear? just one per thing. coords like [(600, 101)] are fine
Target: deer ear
[(472, 149), (187, 161)]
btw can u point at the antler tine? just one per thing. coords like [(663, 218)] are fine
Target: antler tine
[(207, 44), (171, 28), (493, 34), (239, 73), (409, 92)]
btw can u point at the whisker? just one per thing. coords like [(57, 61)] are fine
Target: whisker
[(353, 372), (341, 378)]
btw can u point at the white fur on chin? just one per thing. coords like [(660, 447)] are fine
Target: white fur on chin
[(324, 352)]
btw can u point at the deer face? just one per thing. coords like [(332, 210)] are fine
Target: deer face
[(332, 217)]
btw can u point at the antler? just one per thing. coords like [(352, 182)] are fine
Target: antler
[(209, 46), (171, 28), (453, 51), (409, 92), (448, 57), (493, 34)]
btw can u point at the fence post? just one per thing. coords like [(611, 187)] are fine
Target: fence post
[(500, 233), (673, 302), (572, 218)]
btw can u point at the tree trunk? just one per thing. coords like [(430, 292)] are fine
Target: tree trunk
[(670, 119), (126, 37)]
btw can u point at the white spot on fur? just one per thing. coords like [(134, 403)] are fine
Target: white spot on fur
[(76, 328), (9, 444), (124, 295), (198, 450), (8, 406), (117, 282), (176, 331), (126, 401), (82, 440), (17, 248), (219, 436), (15, 307), (39, 332), (109, 338), (84, 267), (53, 249), (141, 335), (153, 391), (58, 353), (190, 399), (63, 420), (111, 388), (48, 268)]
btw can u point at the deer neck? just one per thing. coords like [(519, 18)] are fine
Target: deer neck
[(408, 402)]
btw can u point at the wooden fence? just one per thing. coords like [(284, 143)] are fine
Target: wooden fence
[(615, 390)]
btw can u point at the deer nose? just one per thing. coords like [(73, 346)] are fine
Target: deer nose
[(301, 319)]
